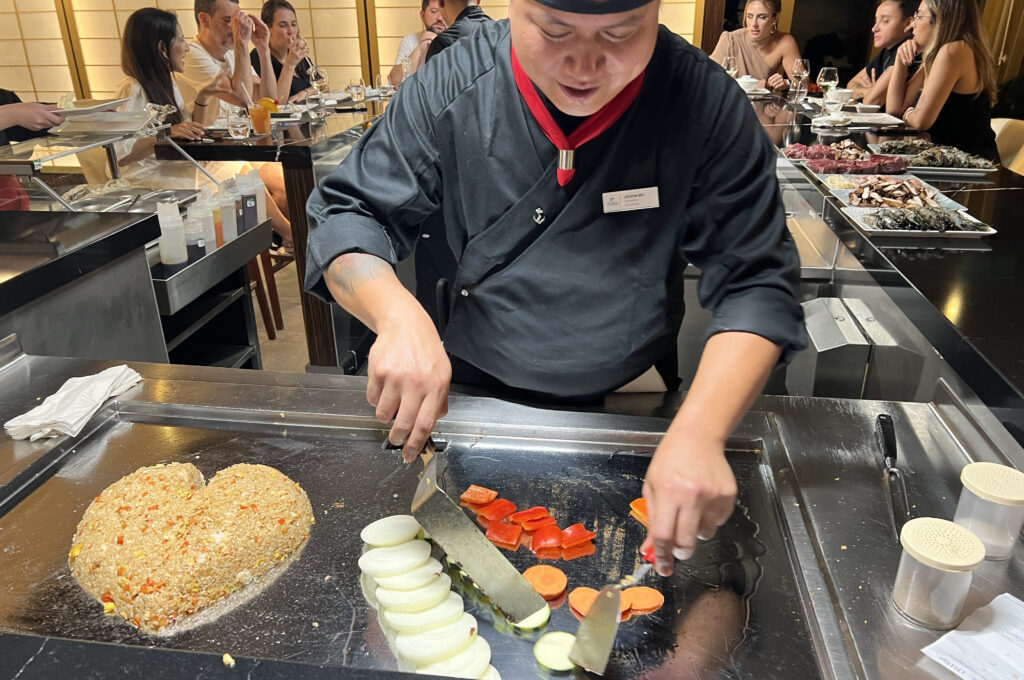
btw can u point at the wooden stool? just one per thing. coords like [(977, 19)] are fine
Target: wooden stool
[(271, 306)]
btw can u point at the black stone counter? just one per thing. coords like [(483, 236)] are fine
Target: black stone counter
[(40, 252)]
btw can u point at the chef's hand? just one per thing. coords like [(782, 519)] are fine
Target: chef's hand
[(690, 492), (409, 377)]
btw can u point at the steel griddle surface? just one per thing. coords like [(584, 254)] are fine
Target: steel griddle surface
[(733, 612)]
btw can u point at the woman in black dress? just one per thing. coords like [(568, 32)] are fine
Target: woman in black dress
[(956, 86), (287, 51)]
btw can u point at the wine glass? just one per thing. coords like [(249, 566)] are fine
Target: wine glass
[(318, 78), (801, 72), (828, 78), (730, 66), (357, 89)]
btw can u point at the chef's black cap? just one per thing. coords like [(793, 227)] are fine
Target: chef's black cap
[(594, 6)]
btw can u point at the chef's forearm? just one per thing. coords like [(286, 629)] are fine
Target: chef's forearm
[(732, 371), (367, 287)]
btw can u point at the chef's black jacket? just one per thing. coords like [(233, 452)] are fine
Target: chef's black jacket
[(553, 294), (468, 21)]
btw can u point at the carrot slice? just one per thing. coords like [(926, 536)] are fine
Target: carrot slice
[(478, 494), (582, 599), (548, 581), (643, 600), (639, 506)]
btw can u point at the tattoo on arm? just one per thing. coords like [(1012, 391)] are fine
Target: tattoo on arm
[(354, 269)]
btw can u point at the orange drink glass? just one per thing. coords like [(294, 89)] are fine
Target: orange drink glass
[(260, 118)]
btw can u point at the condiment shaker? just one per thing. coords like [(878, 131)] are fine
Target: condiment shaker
[(992, 506), (935, 571)]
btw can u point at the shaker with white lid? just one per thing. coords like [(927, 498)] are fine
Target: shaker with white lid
[(935, 571), (992, 506)]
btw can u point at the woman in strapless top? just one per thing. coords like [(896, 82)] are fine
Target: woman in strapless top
[(956, 86)]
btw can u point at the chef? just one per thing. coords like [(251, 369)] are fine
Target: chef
[(580, 155)]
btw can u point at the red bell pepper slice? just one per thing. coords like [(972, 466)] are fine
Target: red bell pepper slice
[(499, 509), (511, 547), (575, 535), (474, 507), (548, 553), (535, 524), (504, 532), (578, 550), (547, 537), (536, 512), (478, 494)]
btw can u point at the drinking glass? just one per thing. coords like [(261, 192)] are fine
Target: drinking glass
[(406, 67), (357, 89), (238, 123), (259, 117), (798, 87), (828, 78), (318, 78), (384, 87), (730, 66), (315, 104)]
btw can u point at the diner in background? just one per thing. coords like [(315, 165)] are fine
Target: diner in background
[(463, 17), (955, 87), (152, 48), (573, 200), (414, 46), (287, 52), (893, 20), (760, 49), (222, 38)]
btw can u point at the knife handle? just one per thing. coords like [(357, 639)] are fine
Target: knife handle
[(887, 439), (648, 555)]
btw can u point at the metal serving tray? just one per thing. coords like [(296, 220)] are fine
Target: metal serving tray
[(860, 217), (944, 201), (174, 292), (738, 609)]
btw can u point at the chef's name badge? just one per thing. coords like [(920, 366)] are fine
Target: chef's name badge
[(630, 199)]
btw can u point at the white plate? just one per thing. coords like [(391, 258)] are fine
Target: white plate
[(759, 92), (108, 105), (861, 216)]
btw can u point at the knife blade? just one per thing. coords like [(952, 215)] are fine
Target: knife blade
[(449, 527), (596, 633)]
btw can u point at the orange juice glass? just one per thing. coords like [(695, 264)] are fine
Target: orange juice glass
[(260, 118)]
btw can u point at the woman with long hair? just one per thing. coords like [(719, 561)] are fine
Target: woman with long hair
[(893, 19), (760, 49), (153, 47), (955, 87), (287, 51)]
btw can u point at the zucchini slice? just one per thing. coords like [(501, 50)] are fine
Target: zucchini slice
[(552, 651)]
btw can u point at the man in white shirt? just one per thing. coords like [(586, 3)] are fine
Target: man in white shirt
[(414, 46), (223, 38)]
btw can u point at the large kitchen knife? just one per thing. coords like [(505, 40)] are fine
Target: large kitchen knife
[(597, 631), (449, 527)]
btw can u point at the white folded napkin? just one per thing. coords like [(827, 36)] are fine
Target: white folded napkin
[(67, 410), (831, 120)]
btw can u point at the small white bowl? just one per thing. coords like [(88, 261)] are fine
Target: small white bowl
[(748, 83), (867, 108)]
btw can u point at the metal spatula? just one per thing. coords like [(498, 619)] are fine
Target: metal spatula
[(596, 634), (449, 527)]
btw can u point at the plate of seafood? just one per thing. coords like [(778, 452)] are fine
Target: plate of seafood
[(918, 222), (923, 157), (885, 191)]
